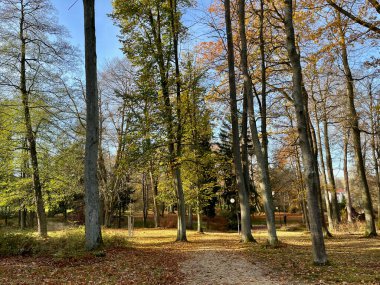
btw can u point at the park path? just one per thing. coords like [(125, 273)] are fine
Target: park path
[(215, 259)]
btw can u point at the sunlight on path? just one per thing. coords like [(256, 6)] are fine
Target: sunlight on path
[(219, 259)]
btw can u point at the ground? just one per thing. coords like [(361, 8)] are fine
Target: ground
[(217, 258), (152, 257)]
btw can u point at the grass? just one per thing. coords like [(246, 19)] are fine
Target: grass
[(352, 258)]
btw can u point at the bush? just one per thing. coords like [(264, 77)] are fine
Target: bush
[(17, 244)]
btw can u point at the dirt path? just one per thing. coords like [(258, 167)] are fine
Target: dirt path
[(214, 260)]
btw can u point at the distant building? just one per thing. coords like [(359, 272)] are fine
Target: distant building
[(341, 195)]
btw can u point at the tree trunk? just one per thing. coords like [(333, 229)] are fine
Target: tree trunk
[(330, 171), (323, 170), (320, 200), (301, 195), (199, 219), (354, 124), (319, 252), (22, 218), (374, 147), (260, 154), (92, 201), (346, 180), (246, 234), (145, 199), (31, 136), (244, 142), (156, 209)]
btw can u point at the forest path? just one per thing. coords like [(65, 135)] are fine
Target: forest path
[(218, 258), (213, 258)]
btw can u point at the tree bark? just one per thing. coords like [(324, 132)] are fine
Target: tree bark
[(246, 234), (199, 215), (181, 225), (318, 181), (30, 135), (190, 218), (154, 186), (330, 171), (346, 180), (92, 199), (318, 245), (144, 188), (374, 146), (354, 125), (257, 145), (323, 168)]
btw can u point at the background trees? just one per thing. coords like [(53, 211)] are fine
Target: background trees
[(254, 109)]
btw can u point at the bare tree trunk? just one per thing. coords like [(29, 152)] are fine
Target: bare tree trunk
[(354, 124), (181, 225), (301, 195), (374, 146), (319, 251), (199, 218), (323, 170), (330, 171), (154, 186), (320, 200), (258, 149), (145, 199), (22, 219), (246, 234), (346, 180), (244, 144), (190, 221), (92, 201), (30, 135)]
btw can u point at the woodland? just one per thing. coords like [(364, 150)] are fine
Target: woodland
[(239, 147)]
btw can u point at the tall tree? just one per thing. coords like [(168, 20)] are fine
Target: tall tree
[(243, 191), (175, 26), (311, 176), (92, 200), (260, 152), (41, 216), (374, 124), (353, 121), (150, 27), (345, 174), (34, 54)]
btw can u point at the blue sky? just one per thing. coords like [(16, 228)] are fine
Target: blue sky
[(108, 45)]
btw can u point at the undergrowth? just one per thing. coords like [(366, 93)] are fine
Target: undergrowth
[(67, 243)]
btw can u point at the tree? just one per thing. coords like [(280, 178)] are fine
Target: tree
[(319, 252), (92, 202), (357, 19), (149, 29), (34, 54), (261, 155), (246, 234), (355, 132)]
